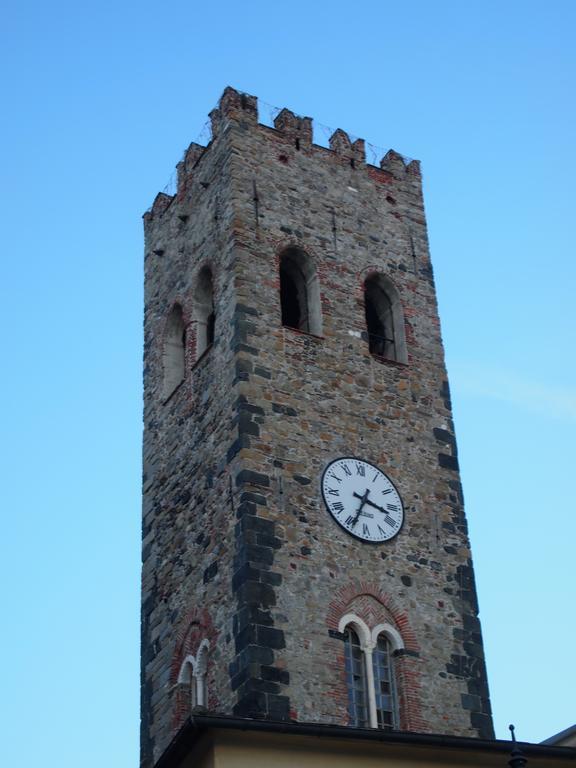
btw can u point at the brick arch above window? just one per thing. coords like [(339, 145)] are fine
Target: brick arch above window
[(374, 606)]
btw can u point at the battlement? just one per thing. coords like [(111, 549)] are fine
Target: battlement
[(236, 107)]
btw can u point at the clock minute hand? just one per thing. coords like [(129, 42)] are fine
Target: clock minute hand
[(376, 506)]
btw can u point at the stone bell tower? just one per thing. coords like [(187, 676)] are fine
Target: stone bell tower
[(305, 550)]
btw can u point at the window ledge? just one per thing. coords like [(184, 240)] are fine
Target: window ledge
[(383, 360), (202, 356), (307, 334), (166, 398)]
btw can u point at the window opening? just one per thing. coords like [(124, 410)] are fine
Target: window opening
[(200, 674), (210, 323), (379, 322), (356, 680), (193, 675), (290, 297), (297, 143), (299, 292), (384, 685), (205, 314), (384, 319), (174, 356)]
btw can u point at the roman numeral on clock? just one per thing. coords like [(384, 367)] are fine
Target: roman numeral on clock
[(388, 490), (334, 491), (390, 521), (347, 469), (360, 470), (337, 506), (392, 507)]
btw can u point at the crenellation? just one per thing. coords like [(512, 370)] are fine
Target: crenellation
[(297, 129), (353, 153), (185, 168), (394, 163), (233, 106), (413, 169), (161, 203)]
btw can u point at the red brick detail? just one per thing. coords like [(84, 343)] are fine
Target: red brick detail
[(409, 687), (380, 175), (340, 605), (280, 245), (195, 627)]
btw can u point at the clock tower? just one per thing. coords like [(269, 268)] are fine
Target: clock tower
[(305, 549)]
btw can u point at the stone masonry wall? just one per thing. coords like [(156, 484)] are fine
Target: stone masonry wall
[(238, 546), (189, 500)]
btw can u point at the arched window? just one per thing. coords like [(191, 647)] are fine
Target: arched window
[(356, 680), (204, 313), (192, 676), (384, 319), (299, 292), (385, 684), (200, 674), (370, 676), (174, 356), (186, 679)]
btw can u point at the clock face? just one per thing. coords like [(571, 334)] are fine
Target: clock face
[(362, 499)]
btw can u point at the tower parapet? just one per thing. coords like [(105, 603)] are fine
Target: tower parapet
[(233, 105), (242, 108)]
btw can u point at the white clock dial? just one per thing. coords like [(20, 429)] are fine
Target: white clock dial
[(362, 499)]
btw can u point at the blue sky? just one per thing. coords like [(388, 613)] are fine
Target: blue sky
[(100, 100)]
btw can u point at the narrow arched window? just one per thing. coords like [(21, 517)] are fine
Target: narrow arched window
[(356, 680), (384, 684), (187, 680), (204, 312), (174, 355), (299, 292), (384, 319), (200, 673)]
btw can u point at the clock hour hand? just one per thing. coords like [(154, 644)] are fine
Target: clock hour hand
[(363, 500)]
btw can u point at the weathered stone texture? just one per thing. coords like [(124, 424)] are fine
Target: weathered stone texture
[(233, 520)]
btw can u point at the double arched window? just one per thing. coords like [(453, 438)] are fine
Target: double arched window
[(370, 676), (299, 292), (176, 337), (193, 675), (384, 319)]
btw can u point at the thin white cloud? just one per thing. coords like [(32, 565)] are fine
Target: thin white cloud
[(470, 379)]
